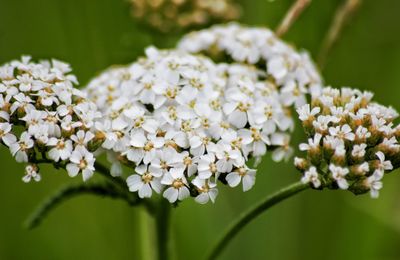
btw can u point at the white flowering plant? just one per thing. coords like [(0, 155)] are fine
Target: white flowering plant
[(186, 123), (45, 119), (183, 122), (352, 141)]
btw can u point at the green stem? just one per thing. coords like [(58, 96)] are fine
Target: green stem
[(105, 172), (147, 231), (252, 213), (104, 190), (162, 227)]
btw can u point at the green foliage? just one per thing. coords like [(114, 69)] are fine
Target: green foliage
[(91, 35)]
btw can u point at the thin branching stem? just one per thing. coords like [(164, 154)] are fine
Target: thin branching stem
[(68, 192), (249, 215), (342, 16), (105, 172), (291, 16), (116, 188)]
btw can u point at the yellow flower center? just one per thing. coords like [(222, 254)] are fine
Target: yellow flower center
[(178, 183), (147, 177)]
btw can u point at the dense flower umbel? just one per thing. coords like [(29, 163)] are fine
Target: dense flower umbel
[(291, 71), (352, 141), (168, 15), (43, 118), (185, 123)]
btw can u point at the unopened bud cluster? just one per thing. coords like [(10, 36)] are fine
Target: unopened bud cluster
[(291, 71), (185, 123), (352, 141), (168, 15), (43, 118)]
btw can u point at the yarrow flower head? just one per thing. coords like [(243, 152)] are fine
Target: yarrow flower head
[(186, 124), (352, 141), (292, 72), (41, 113), (172, 15)]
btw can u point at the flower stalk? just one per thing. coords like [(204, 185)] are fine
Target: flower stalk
[(252, 213), (68, 192), (342, 16), (147, 235), (291, 16), (163, 230)]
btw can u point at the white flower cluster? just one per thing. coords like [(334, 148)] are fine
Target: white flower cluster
[(43, 118), (352, 141), (291, 71), (185, 122)]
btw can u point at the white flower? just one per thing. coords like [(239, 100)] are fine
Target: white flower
[(82, 161), (359, 150), (187, 163), (321, 124), (277, 66), (313, 143), (5, 136), (178, 189), (199, 144), (136, 115), (311, 176), (339, 173), (382, 164), (343, 132), (31, 172), (62, 149), (176, 138), (42, 134), (68, 125), (306, 113), (207, 166), (237, 112), (116, 165), (144, 181), (254, 139), (33, 119), (82, 138), (391, 144), (283, 151), (144, 147), (362, 134), (375, 184), (244, 174), (207, 190), (168, 160), (20, 148), (22, 102), (227, 158)]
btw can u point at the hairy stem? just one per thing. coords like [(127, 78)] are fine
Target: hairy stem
[(291, 16), (115, 188), (67, 193), (252, 213), (105, 172), (342, 16)]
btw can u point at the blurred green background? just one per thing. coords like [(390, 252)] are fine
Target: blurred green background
[(91, 35)]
